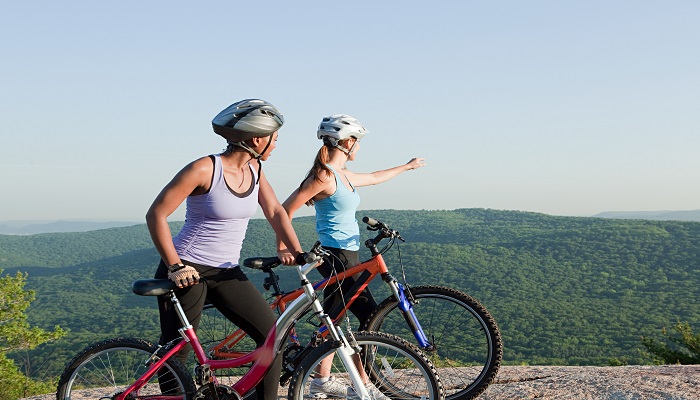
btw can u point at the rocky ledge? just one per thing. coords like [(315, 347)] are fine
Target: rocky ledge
[(667, 382)]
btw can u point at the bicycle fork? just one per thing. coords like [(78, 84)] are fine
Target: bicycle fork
[(406, 306)]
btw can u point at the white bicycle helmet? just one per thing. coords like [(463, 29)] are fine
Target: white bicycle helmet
[(247, 119), (339, 127)]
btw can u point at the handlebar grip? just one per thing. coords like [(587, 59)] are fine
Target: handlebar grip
[(301, 258), (370, 221)]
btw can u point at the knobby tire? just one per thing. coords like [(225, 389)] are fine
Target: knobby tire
[(468, 345), (106, 368), (397, 368)]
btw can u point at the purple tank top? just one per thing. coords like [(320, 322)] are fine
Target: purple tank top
[(216, 222)]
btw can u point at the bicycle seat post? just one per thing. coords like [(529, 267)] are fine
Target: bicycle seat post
[(178, 309), (272, 281)]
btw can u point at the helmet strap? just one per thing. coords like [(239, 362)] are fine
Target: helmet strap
[(352, 148), (332, 142), (247, 148), (255, 154)]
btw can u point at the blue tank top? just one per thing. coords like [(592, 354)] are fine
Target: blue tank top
[(335, 217), (216, 222)]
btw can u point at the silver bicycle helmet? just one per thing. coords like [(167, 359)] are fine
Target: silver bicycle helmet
[(247, 119), (339, 127)]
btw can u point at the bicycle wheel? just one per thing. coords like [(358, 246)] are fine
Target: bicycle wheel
[(222, 339), (467, 344), (105, 369), (396, 368)]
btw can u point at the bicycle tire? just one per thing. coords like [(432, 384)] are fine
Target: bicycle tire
[(213, 329), (215, 335), (106, 368), (468, 347), (397, 368)]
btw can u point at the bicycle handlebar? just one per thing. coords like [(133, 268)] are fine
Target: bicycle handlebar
[(272, 262), (384, 230), (372, 222)]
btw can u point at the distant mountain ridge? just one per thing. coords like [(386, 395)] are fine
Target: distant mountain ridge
[(688, 215), (36, 227)]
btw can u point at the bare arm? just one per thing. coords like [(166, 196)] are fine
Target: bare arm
[(277, 217), (373, 178), (192, 177), (310, 190)]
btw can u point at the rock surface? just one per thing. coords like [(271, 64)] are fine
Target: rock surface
[(667, 382)]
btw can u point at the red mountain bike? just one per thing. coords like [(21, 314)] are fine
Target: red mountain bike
[(128, 369)]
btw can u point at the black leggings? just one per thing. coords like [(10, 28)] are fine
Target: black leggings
[(339, 261), (230, 291)]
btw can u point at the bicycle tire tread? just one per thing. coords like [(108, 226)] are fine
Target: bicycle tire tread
[(376, 317)]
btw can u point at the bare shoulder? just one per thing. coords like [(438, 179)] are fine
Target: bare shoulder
[(319, 182), (326, 177), (200, 165), (195, 174), (320, 186)]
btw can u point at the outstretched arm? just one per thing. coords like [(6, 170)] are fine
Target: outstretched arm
[(373, 178)]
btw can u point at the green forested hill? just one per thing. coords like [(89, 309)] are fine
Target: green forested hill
[(564, 290), (65, 249)]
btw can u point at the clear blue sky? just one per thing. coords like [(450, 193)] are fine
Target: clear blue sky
[(560, 107)]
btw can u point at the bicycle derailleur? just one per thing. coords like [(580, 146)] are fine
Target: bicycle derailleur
[(208, 390), (294, 353), (290, 361)]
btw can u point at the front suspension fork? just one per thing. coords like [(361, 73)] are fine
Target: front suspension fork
[(406, 306)]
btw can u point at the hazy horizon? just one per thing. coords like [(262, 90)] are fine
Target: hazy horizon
[(24, 222), (562, 108)]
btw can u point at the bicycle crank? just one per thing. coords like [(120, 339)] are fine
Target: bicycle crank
[(222, 392)]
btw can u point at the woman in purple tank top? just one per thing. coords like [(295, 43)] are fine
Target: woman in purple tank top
[(222, 193)]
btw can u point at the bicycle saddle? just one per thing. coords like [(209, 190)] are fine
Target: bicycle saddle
[(262, 262), (152, 287)]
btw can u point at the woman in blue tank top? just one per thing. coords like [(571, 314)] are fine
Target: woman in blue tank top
[(222, 193), (332, 190)]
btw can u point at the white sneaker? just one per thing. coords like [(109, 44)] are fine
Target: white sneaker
[(372, 391), (331, 389)]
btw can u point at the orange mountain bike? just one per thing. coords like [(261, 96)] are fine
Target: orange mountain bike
[(454, 329)]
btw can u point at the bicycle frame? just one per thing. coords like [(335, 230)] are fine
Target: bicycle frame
[(263, 356), (366, 272)]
